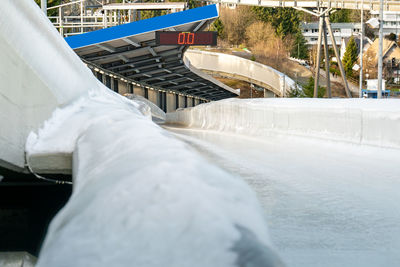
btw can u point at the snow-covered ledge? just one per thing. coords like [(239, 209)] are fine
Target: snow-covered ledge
[(141, 197), (358, 121)]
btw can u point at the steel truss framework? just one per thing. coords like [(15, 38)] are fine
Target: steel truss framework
[(130, 50)]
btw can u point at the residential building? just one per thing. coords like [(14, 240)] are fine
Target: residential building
[(340, 30), (391, 59), (391, 22)]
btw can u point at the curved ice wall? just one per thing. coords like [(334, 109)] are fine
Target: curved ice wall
[(358, 121)]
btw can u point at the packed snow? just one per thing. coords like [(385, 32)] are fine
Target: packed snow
[(143, 198), (155, 111)]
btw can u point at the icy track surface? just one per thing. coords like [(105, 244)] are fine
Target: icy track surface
[(328, 204)]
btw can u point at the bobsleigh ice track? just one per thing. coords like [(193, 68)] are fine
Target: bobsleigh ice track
[(142, 197), (356, 121), (135, 185)]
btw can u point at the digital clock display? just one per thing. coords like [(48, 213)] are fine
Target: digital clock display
[(186, 38)]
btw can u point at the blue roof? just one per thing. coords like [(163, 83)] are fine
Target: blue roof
[(143, 26)]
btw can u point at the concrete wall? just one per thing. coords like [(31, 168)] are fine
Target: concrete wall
[(123, 87), (138, 91), (181, 101), (189, 102), (170, 102), (242, 69), (153, 97)]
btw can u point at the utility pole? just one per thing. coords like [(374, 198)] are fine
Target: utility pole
[(361, 49), (43, 5), (327, 63), (380, 59), (316, 80), (335, 49)]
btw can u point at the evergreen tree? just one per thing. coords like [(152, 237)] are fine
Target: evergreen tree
[(218, 26), (299, 49), (296, 91), (50, 3), (391, 36), (308, 89), (350, 56), (285, 20), (340, 16)]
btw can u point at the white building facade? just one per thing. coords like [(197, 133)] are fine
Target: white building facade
[(391, 22), (340, 30)]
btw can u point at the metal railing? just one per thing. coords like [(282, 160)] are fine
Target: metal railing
[(78, 17)]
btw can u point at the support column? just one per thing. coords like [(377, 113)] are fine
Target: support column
[(153, 97), (361, 49), (346, 86), (319, 44), (171, 105), (137, 90), (60, 17), (327, 64), (182, 101), (81, 17), (177, 101), (43, 5), (380, 59)]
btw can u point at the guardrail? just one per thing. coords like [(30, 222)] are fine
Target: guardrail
[(372, 5)]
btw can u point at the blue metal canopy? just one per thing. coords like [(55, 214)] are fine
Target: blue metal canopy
[(143, 26), (130, 50)]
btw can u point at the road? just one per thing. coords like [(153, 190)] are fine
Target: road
[(327, 203)]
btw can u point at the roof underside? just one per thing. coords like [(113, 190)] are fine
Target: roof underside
[(130, 50)]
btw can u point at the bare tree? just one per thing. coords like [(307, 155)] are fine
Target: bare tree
[(235, 23)]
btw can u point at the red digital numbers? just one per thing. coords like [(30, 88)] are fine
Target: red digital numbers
[(186, 38)]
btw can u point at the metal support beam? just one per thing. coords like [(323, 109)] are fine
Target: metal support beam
[(43, 5), (132, 63), (130, 41), (346, 86), (191, 84), (380, 54), (162, 77), (361, 49), (327, 63), (81, 7), (318, 61)]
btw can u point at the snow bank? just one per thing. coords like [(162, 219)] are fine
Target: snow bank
[(154, 110), (141, 197), (359, 121)]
